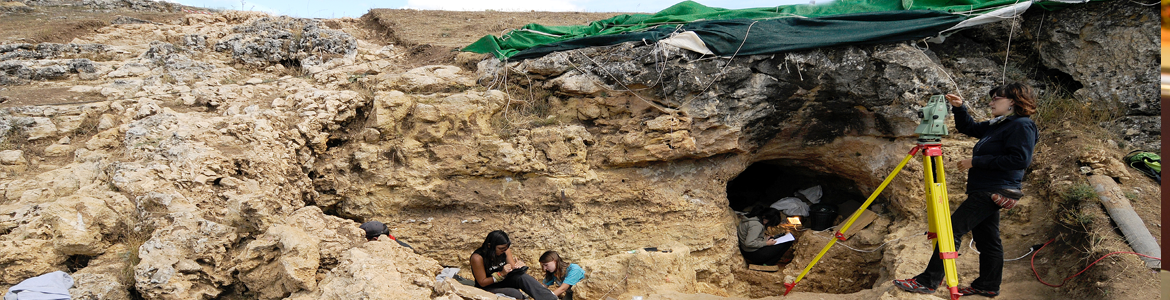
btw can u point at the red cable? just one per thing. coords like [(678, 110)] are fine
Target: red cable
[(1033, 262)]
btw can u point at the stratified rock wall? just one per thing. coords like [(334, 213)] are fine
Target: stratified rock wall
[(235, 154)]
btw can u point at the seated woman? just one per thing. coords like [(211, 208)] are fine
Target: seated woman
[(753, 244), (560, 276), (497, 271)]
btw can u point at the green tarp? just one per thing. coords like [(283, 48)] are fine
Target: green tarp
[(748, 37), (826, 20)]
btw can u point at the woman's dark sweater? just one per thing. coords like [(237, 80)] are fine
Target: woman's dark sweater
[(1003, 152)]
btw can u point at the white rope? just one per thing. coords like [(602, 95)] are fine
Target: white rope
[(1003, 77), (875, 248), (936, 67), (971, 245), (724, 67), (619, 82), (539, 32)]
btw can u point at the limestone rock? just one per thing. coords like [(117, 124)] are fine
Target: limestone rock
[(41, 128), (575, 83), (129, 70), (12, 157), (282, 261), (431, 79), (103, 276), (1083, 42), (79, 223), (23, 259), (377, 270), (185, 259), (276, 39), (335, 235), (1140, 132), (1102, 163), (176, 64)]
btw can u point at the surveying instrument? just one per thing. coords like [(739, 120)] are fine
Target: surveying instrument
[(930, 132)]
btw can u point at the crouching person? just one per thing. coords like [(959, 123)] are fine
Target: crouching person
[(497, 271), (376, 231), (756, 247), (560, 276)]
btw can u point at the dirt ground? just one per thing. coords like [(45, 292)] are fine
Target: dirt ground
[(62, 24)]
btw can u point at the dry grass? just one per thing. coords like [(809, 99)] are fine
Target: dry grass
[(1058, 108)]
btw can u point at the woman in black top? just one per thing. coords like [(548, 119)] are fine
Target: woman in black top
[(997, 167), (497, 271)]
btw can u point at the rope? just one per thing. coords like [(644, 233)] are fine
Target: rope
[(1066, 279), (615, 284), (729, 59), (971, 245), (1143, 4), (875, 248), (936, 66), (1003, 78)]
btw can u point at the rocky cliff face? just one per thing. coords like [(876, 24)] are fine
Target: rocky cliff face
[(234, 154)]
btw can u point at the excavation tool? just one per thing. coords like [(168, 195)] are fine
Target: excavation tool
[(930, 132)]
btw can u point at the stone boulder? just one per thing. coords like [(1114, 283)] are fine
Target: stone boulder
[(185, 259), (176, 64), (282, 261), (1120, 37), (377, 270), (104, 276), (285, 40), (23, 51), (286, 258), (1140, 132), (429, 79), (23, 259)]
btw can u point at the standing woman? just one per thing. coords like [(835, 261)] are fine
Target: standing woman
[(559, 275), (996, 168), (497, 271)]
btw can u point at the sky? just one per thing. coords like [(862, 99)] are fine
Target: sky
[(357, 8)]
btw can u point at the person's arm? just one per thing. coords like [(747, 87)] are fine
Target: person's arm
[(1018, 142), (755, 235), (964, 123), (561, 290), (574, 275), (477, 271), (513, 263)]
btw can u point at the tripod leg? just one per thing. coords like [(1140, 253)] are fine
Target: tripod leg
[(789, 286), (939, 213)]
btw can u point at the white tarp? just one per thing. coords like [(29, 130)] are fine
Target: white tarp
[(50, 286)]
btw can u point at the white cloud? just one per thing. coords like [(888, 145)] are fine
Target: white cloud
[(514, 5)]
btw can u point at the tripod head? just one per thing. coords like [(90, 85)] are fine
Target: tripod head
[(933, 125)]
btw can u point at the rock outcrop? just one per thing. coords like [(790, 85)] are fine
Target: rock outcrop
[(235, 155), (288, 41)]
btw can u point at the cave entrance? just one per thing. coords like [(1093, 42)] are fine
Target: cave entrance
[(765, 182)]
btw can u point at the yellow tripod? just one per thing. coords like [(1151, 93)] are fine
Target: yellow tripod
[(937, 207)]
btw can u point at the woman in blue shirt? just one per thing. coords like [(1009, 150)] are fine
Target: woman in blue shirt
[(560, 276), (996, 169)]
